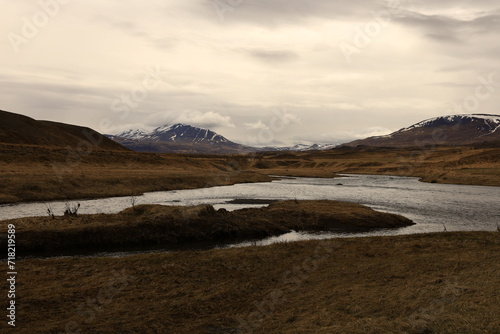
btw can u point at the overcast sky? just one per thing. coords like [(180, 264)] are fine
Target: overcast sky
[(256, 71)]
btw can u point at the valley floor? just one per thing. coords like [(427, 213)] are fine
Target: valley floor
[(432, 283), (36, 173)]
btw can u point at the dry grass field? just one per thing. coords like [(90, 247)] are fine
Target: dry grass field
[(432, 283), (37, 173)]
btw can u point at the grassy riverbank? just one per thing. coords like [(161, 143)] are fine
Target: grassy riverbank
[(453, 165), (38, 173), (432, 283), (170, 227)]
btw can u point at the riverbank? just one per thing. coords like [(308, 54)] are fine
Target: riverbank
[(39, 173), (467, 165), (171, 227), (431, 283)]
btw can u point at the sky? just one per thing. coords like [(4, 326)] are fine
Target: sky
[(259, 72)]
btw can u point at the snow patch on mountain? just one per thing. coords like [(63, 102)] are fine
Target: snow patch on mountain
[(135, 134), (301, 147)]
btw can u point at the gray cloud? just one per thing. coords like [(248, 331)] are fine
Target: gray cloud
[(292, 12), (273, 56), (448, 29)]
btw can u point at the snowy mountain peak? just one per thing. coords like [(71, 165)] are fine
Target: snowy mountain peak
[(166, 128), (176, 133), (133, 134), (163, 128)]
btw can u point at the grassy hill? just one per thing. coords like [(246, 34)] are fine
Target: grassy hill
[(19, 129)]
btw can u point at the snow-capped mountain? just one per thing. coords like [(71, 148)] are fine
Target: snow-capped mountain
[(491, 122), (178, 138), (181, 133), (459, 129), (177, 133), (183, 138)]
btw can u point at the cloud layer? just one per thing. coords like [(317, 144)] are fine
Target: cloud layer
[(341, 69)]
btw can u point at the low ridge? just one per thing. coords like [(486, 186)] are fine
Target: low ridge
[(20, 129)]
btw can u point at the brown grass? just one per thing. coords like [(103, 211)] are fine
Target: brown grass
[(458, 165), (433, 283), (173, 226), (37, 173)]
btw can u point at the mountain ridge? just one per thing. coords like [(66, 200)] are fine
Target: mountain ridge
[(459, 129)]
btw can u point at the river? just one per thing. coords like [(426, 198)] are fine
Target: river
[(433, 207)]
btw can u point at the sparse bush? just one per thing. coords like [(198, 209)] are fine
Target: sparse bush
[(50, 212), (71, 209)]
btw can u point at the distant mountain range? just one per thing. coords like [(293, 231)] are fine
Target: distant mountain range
[(444, 130), (463, 129), (299, 147), (183, 138), (20, 129)]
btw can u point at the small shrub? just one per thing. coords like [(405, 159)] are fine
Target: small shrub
[(50, 212), (71, 209)]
